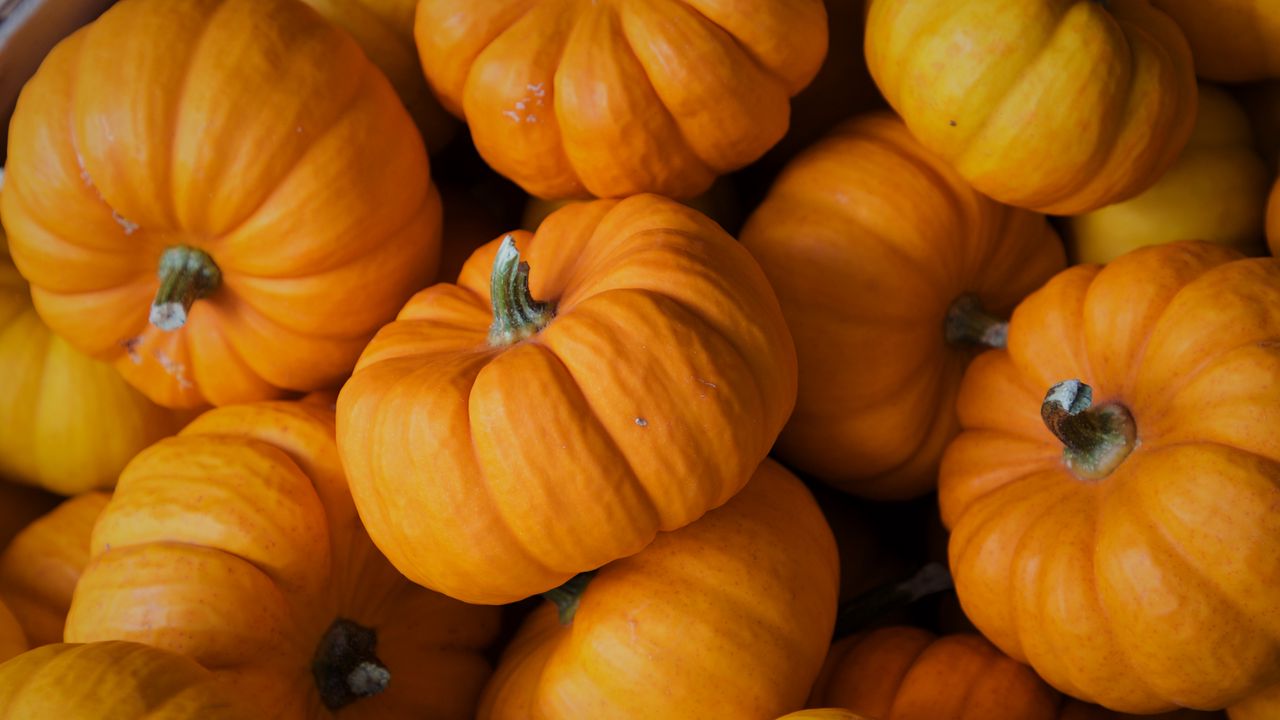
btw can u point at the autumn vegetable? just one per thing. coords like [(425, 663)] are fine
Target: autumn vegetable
[(1015, 102), (236, 544), (1231, 40), (1260, 706), (1118, 470), (222, 197), (892, 273), (575, 99), (726, 617), (630, 373)]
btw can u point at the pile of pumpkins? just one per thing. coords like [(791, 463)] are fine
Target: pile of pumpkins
[(297, 423)]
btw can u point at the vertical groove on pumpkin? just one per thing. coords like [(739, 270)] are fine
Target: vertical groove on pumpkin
[(186, 275), (516, 315)]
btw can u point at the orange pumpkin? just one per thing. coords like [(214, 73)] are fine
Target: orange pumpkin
[(13, 641), (1061, 106), (624, 380), (236, 543), (615, 99), (222, 197), (112, 681), (1141, 488), (1262, 706), (40, 568), (1231, 40), (1273, 220), (727, 617), (891, 272)]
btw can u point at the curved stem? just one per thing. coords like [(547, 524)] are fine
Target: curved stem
[(861, 611), (969, 324), (516, 315), (346, 667), (567, 596), (186, 275), (1094, 440)]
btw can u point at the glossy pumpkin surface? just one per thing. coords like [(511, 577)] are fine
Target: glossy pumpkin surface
[(1060, 106), (869, 240), (1231, 40), (248, 152), (1076, 559), (236, 543), (492, 468), (617, 98), (727, 617)]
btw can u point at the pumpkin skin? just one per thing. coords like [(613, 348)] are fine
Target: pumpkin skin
[(614, 99), (1186, 338), (1263, 706), (286, 161), (491, 472), (40, 568), (1231, 40), (730, 616), (56, 404), (823, 714), (111, 680), (984, 83), (1216, 191), (236, 544), (13, 641), (868, 239)]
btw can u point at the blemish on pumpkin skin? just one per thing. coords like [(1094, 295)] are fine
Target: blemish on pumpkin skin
[(642, 422), (130, 227), (130, 346), (176, 370)]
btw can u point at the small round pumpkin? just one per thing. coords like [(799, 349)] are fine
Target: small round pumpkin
[(618, 373), (1231, 40), (1060, 106), (729, 617), (1119, 466), (892, 272), (40, 568), (225, 198), (236, 543), (614, 99)]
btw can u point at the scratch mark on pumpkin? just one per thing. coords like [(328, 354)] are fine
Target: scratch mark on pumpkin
[(130, 227), (130, 346), (176, 370)]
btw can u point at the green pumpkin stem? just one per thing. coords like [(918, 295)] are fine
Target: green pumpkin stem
[(1095, 439), (186, 275), (567, 596), (516, 315), (345, 666), (856, 614), (968, 324)]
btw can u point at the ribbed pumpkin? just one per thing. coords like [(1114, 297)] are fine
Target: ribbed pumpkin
[(891, 272), (1216, 191), (1061, 106), (113, 681), (1231, 40), (1119, 467), (236, 544), (222, 197), (630, 373), (70, 422), (728, 617), (13, 641), (40, 568), (613, 99)]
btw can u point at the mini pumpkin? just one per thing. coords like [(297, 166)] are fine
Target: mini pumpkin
[(1231, 40)]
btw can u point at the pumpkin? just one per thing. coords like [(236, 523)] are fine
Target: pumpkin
[(40, 568), (19, 505), (1273, 220), (1060, 106), (236, 544), (13, 641), (891, 272), (70, 422), (112, 681), (823, 714), (1231, 40), (615, 99), (1119, 467), (222, 197), (630, 373), (1262, 706), (1216, 191), (726, 617)]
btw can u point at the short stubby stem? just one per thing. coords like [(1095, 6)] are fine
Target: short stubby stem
[(1095, 440), (345, 665), (186, 275), (516, 315), (567, 596), (968, 324)]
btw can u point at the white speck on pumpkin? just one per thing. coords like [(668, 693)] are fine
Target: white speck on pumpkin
[(515, 116), (642, 422), (531, 118), (129, 226), (176, 370)]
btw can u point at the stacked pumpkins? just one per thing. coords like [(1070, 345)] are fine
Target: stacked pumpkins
[(305, 480)]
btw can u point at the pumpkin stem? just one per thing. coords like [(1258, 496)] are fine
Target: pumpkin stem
[(567, 596), (969, 324), (1095, 440), (516, 315), (345, 666), (861, 611), (186, 275)]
